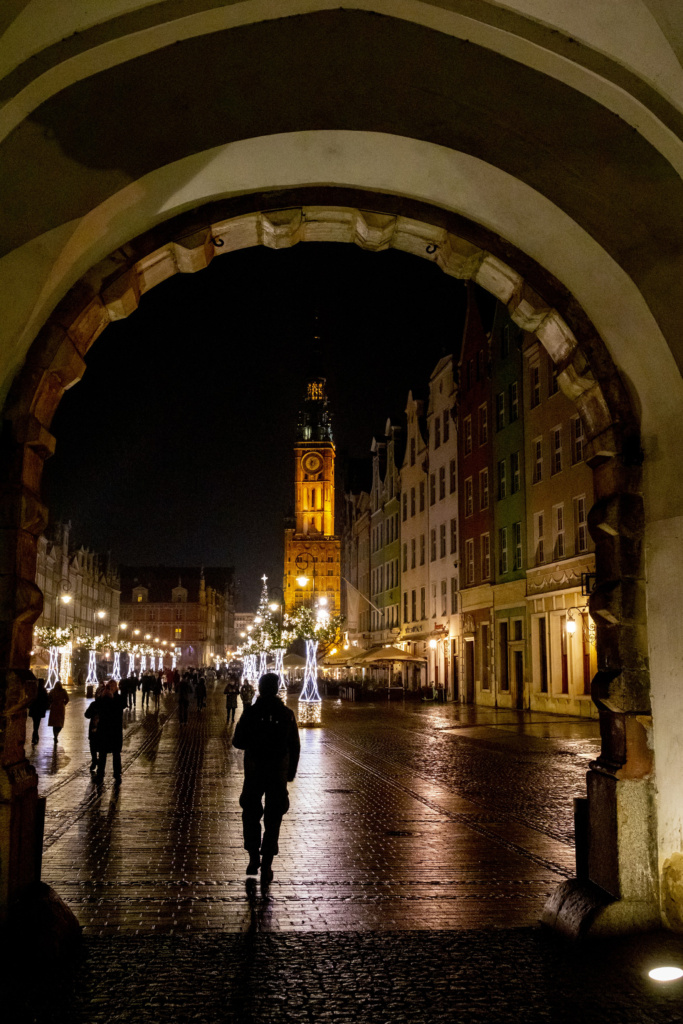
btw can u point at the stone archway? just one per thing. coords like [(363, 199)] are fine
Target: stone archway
[(620, 858)]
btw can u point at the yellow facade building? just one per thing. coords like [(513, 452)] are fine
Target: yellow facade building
[(312, 551)]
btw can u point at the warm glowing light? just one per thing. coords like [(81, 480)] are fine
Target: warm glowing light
[(156, 639), (66, 598), (302, 580), (148, 636), (249, 629), (136, 631), (432, 644), (346, 647), (571, 626), (333, 651), (322, 600), (257, 619), (123, 625), (666, 974), (273, 606), (243, 633), (164, 642), (101, 614)]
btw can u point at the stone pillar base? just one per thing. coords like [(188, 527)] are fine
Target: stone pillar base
[(41, 921), (578, 909)]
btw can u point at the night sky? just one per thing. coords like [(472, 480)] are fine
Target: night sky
[(176, 446)]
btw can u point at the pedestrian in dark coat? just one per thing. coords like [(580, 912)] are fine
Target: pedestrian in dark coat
[(157, 687), (184, 691), (59, 699), (200, 693), (37, 709), (267, 733), (93, 723), (109, 708), (247, 692), (231, 692)]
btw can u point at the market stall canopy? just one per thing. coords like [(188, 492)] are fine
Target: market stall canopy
[(293, 661), (388, 654), (341, 657)]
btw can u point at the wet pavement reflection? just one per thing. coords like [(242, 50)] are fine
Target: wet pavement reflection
[(403, 817)]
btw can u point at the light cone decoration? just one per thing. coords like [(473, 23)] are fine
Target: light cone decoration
[(53, 670), (320, 631), (280, 670), (116, 672)]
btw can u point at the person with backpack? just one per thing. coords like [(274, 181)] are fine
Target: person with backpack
[(268, 734)]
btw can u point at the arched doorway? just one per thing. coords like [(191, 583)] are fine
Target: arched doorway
[(56, 361)]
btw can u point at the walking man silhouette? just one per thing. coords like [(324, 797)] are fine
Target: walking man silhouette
[(267, 733)]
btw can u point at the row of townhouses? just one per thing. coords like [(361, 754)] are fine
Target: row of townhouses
[(467, 545)]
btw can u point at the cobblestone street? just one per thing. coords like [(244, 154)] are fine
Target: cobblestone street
[(421, 844)]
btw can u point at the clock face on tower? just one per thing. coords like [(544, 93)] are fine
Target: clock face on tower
[(312, 462)]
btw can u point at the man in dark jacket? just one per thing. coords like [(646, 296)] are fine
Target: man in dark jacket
[(267, 733)]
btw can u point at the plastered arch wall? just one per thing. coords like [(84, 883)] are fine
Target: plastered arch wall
[(477, 222)]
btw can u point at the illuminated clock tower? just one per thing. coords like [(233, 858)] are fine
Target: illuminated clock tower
[(311, 548)]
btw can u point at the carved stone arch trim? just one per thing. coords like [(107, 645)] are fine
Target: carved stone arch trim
[(536, 301)]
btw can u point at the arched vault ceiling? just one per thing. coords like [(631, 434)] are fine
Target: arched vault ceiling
[(356, 71)]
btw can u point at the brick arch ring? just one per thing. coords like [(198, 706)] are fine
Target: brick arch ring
[(535, 300)]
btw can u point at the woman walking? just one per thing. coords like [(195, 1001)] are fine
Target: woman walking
[(59, 698)]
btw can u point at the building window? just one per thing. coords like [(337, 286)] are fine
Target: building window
[(483, 423), (442, 540), (577, 440), (516, 481), (451, 476), (444, 597), (454, 595), (483, 488), (405, 507), (422, 495), (405, 605), (469, 560), (503, 550), (423, 603), (581, 526), (558, 512), (454, 536), (405, 558), (539, 545), (432, 488), (514, 402), (413, 603), (553, 384), (502, 480), (433, 600), (535, 386), (467, 435), (432, 545), (538, 460), (412, 501), (469, 374), (469, 497), (556, 439), (442, 483), (485, 556), (437, 432), (500, 410), (178, 632), (412, 553), (517, 543), (412, 451), (422, 549), (446, 426)]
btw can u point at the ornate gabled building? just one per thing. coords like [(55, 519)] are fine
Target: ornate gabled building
[(312, 551)]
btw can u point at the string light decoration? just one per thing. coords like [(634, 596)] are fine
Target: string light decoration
[(143, 663), (320, 631), (116, 673), (92, 667), (53, 669), (280, 670), (153, 663), (65, 662)]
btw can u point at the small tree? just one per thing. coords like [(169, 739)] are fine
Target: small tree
[(320, 631)]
